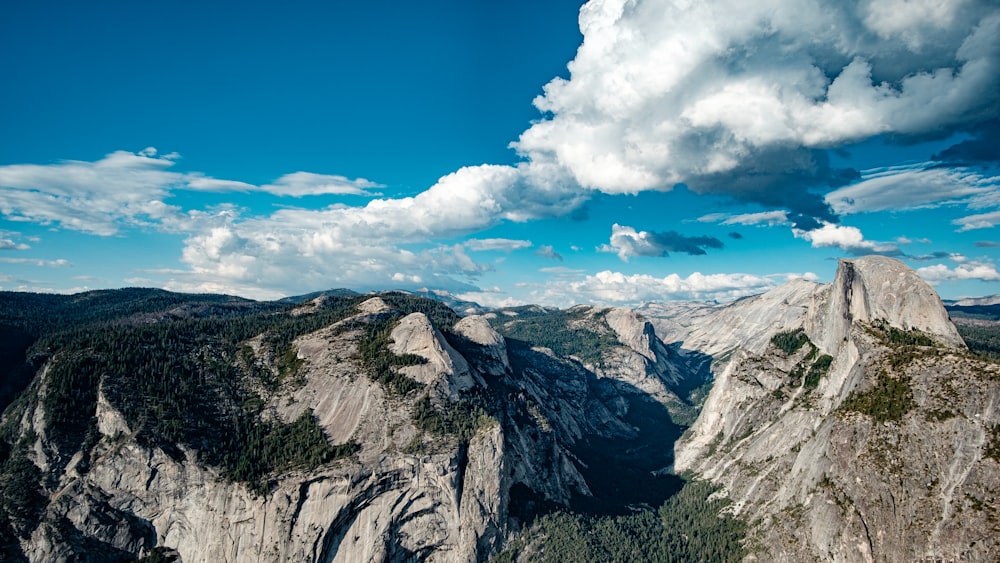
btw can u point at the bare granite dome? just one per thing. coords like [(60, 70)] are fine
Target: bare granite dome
[(877, 288)]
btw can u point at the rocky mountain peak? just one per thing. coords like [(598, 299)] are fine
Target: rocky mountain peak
[(445, 370), (633, 330), (477, 329), (878, 288)]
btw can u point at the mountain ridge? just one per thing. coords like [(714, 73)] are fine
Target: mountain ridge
[(388, 427)]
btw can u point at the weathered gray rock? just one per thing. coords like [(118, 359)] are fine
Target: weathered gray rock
[(445, 370), (819, 480), (478, 330), (878, 288), (406, 494)]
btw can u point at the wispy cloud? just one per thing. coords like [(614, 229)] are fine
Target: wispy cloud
[(40, 262), (501, 244), (299, 184), (547, 251), (912, 187), (978, 221), (768, 218), (126, 189)]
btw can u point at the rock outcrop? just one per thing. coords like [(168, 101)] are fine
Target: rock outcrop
[(877, 288), (869, 441), (847, 422), (444, 369), (487, 434)]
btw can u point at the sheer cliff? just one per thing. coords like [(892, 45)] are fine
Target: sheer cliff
[(342, 428), (844, 421), (853, 425)]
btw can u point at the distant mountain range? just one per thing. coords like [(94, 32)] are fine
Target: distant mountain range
[(848, 421)]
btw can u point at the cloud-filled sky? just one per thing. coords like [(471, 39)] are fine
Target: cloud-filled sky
[(613, 152)]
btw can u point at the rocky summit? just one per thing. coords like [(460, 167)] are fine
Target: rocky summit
[(838, 422)]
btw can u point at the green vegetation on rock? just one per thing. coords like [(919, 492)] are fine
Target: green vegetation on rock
[(817, 371), (992, 447), (567, 333), (790, 342), (160, 555), (462, 418), (811, 369), (899, 337), (983, 340), (890, 398), (271, 447)]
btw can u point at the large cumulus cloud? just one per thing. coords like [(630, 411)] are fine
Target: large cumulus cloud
[(743, 98)]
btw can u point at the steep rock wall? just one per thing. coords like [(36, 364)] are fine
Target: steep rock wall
[(882, 457)]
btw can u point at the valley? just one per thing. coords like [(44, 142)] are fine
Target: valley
[(848, 421)]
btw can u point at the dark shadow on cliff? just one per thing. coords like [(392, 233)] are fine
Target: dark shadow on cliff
[(625, 459), (15, 373)]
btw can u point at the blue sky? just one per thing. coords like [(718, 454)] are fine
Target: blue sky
[(613, 152)]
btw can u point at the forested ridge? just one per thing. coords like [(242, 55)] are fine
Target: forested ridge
[(178, 370), (568, 333), (194, 372)]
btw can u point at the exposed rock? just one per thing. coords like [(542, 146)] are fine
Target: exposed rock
[(878, 288), (373, 306), (110, 422), (406, 494), (749, 323), (817, 475), (820, 481), (445, 370), (478, 330)]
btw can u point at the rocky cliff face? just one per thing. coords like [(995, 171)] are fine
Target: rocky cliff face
[(847, 422), (863, 431), (444, 468)]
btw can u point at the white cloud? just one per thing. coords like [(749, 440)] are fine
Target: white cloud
[(721, 95), (963, 271), (769, 218), (978, 221), (502, 244), (297, 250), (300, 184), (911, 187), (292, 249), (848, 239), (616, 288), (627, 242), (7, 242)]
